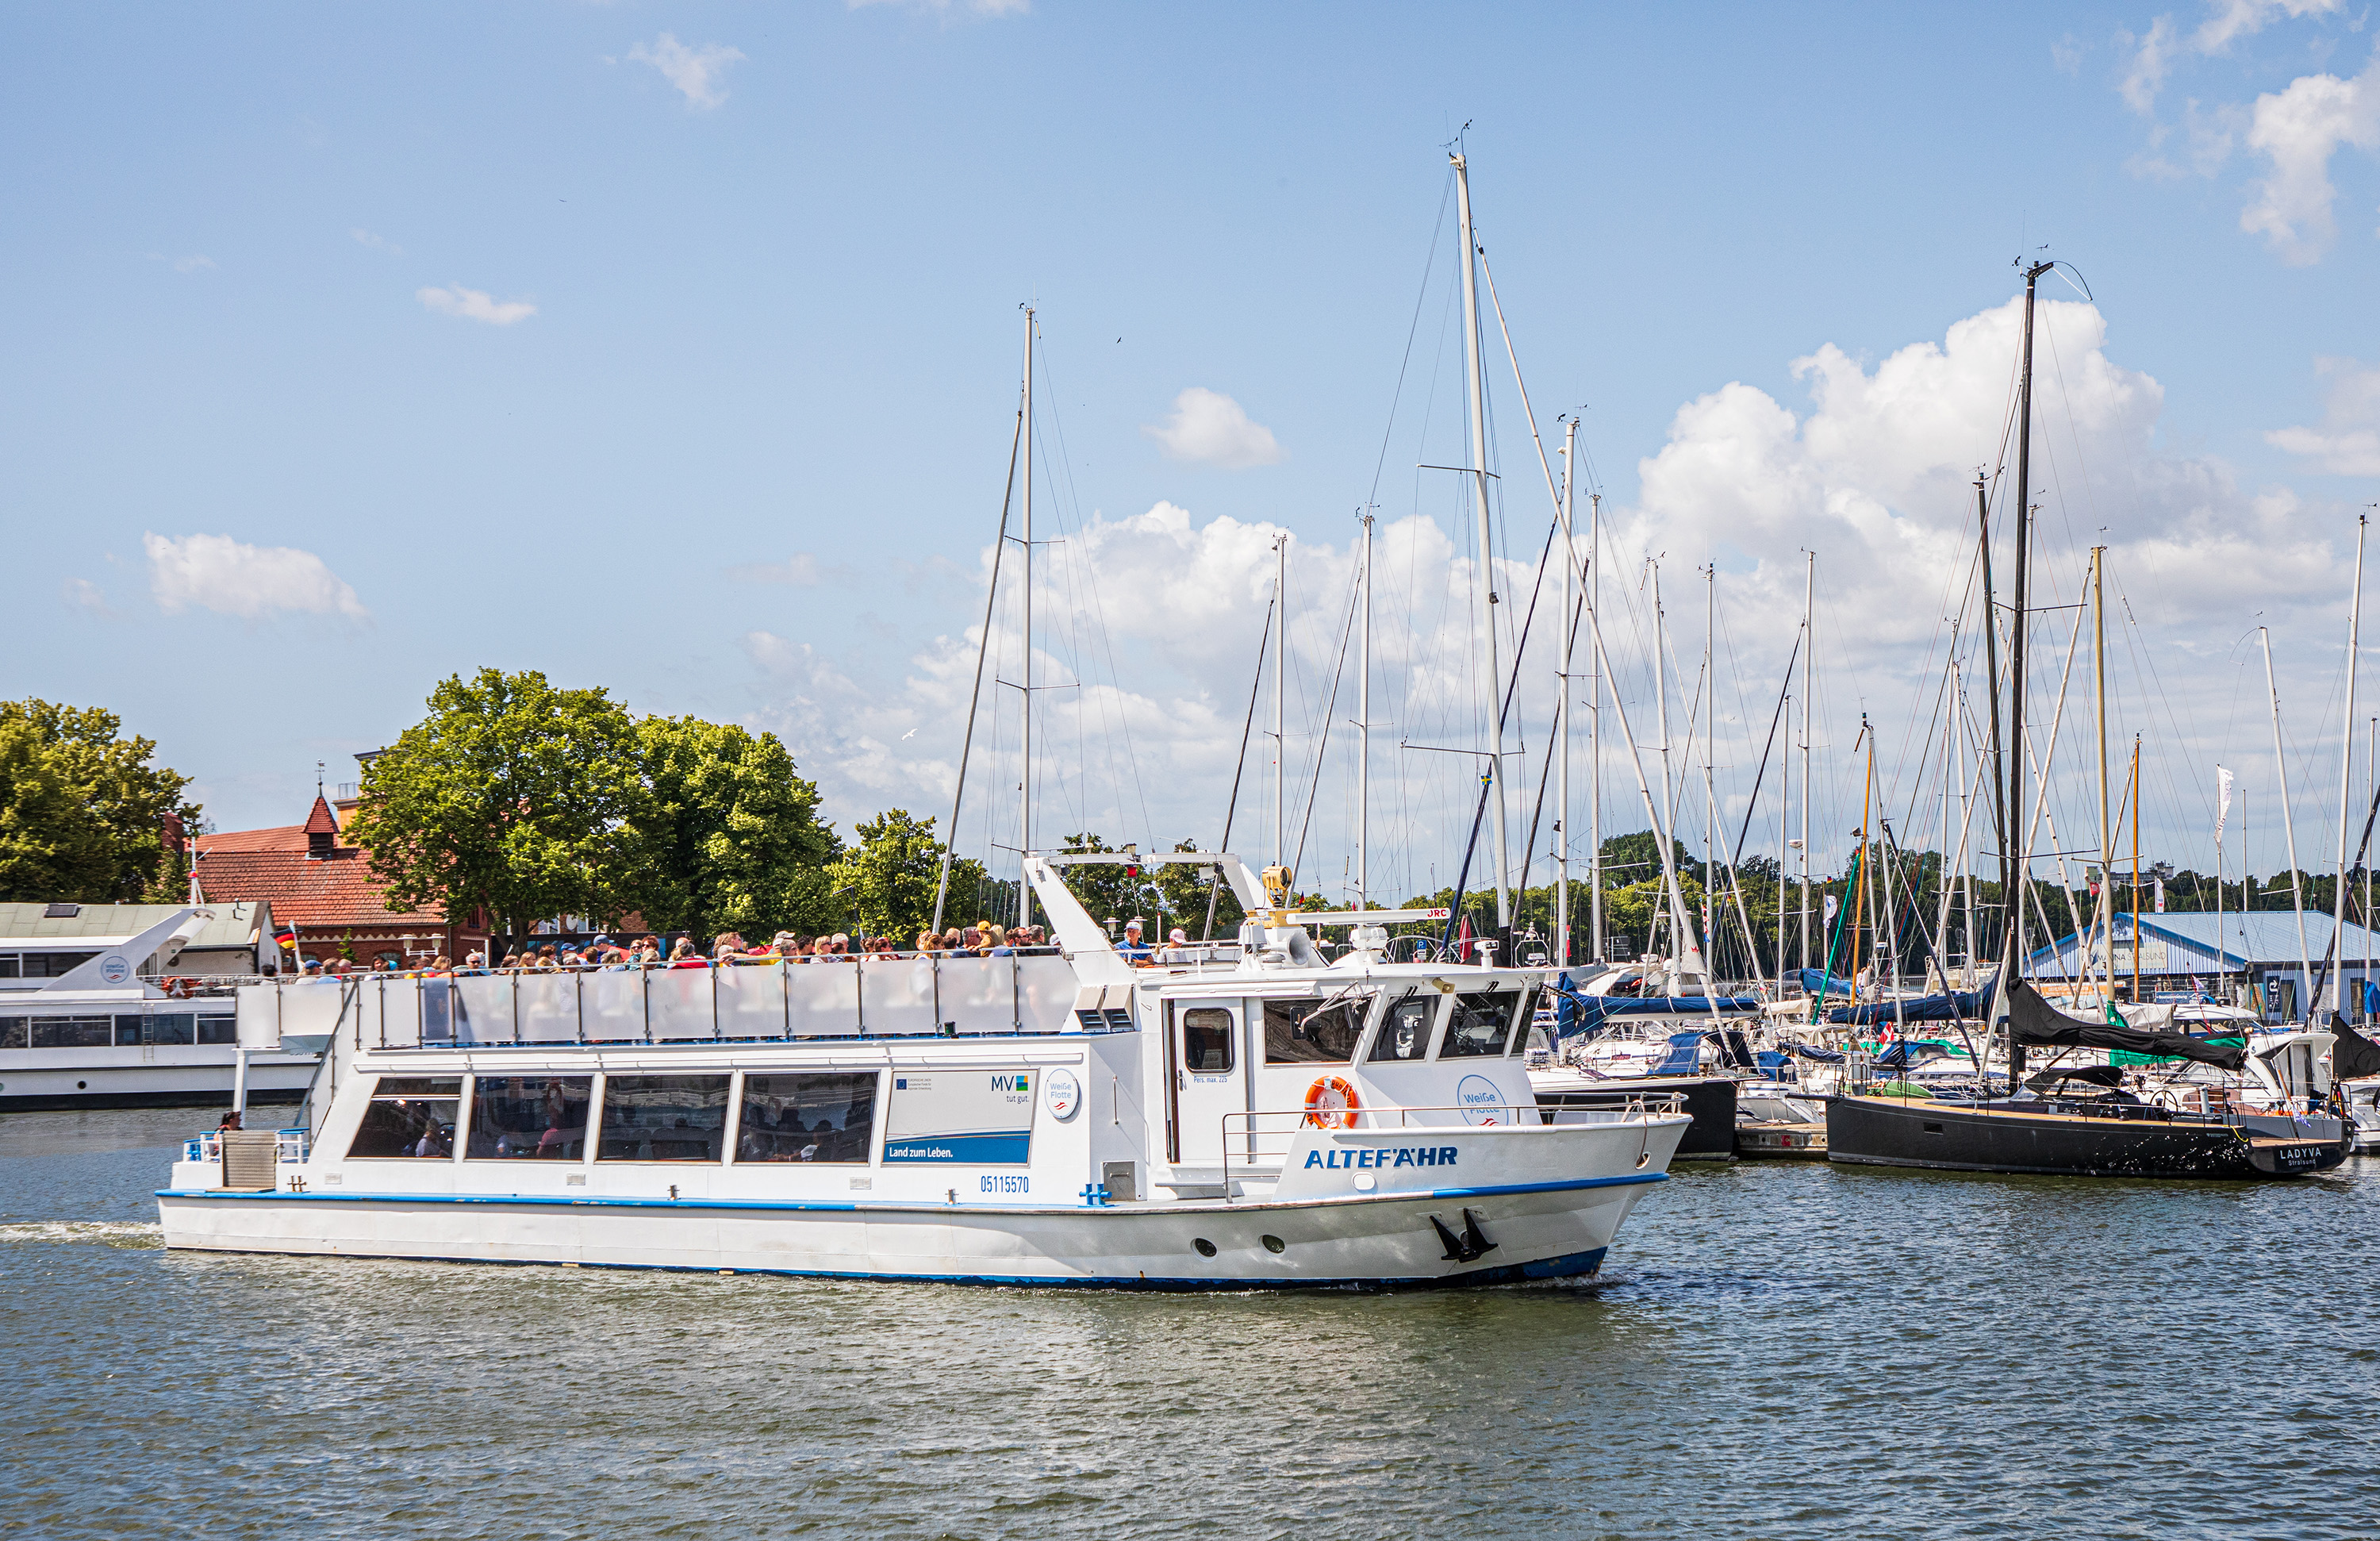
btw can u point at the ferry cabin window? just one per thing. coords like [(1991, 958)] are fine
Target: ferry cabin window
[(1207, 1040), (219, 1029), (51, 965), (73, 1032), (174, 1027), (12, 1032), (806, 1118), (1405, 1032), (409, 1116), (1306, 1032), (1482, 1022), (7, 965), (530, 1117), (663, 1118)]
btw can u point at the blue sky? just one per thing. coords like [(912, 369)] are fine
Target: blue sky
[(674, 348)]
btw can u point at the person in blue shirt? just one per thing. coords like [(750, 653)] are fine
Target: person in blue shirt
[(1134, 950)]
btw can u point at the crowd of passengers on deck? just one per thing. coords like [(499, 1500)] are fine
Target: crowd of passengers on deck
[(604, 955)]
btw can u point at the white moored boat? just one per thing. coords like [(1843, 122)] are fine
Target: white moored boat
[(1247, 1115), (95, 1020)]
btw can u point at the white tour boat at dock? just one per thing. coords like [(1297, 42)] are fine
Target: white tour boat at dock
[(101, 1021), (1247, 1115)]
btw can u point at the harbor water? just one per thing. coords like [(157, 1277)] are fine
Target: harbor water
[(1775, 1349)]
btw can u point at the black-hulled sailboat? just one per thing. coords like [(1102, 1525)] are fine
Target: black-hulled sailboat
[(2078, 1121)]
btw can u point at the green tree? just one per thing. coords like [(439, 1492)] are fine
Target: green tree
[(888, 879), (731, 834), (514, 795), (84, 817)]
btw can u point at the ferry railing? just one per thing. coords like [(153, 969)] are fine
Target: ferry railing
[(1260, 1140), (289, 1147), (862, 995)]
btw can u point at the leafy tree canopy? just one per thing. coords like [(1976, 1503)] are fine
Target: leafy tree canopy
[(888, 878), (731, 835), (512, 793), (83, 814)]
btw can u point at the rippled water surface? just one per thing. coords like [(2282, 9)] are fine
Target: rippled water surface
[(1787, 1350)]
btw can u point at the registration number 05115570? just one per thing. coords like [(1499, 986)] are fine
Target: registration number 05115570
[(996, 1185)]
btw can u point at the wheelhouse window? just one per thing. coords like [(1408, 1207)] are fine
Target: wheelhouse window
[(663, 1118), (409, 1116), (1482, 1022), (54, 965), (806, 1118), (1207, 1047), (73, 1032), (1309, 1032), (1405, 1032), (530, 1117)]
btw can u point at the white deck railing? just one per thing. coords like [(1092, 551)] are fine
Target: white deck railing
[(862, 996)]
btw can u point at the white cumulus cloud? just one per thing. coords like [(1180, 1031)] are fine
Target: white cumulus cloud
[(2298, 129), (694, 71), (1210, 427), (2347, 443), (232, 577), (474, 305)]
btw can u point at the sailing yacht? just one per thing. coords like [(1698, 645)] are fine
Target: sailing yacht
[(2079, 1120)]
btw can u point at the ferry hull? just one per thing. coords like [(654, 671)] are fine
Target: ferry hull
[(135, 1083), (1556, 1230), (1897, 1132)]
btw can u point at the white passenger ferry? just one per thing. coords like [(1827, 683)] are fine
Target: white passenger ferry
[(100, 1021), (1231, 1117)]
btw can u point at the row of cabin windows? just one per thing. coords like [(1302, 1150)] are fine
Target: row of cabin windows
[(815, 1117), (42, 965), (119, 1032), (1298, 1032)]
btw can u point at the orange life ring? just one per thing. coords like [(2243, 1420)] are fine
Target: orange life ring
[(178, 988), (1331, 1103)]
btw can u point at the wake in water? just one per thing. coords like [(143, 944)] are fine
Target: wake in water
[(127, 1233)]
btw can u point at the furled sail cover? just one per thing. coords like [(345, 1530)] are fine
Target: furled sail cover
[(1957, 1006), (2039, 1022), (2353, 1057), (1818, 981)]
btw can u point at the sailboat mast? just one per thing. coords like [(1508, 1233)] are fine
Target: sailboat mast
[(1561, 698), (1677, 895), (2346, 770), (2015, 866), (1809, 609), (2103, 908), (1710, 791), (2289, 826), (1594, 737), (1364, 737), (1488, 600), (1024, 781)]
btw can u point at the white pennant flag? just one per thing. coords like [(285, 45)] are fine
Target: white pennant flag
[(2222, 799)]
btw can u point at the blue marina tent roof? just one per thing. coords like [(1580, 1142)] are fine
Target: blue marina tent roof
[(2257, 938)]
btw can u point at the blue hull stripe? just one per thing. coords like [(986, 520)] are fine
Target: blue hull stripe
[(846, 1207)]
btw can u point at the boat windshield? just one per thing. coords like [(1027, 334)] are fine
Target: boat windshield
[(1482, 1022), (1303, 1032)]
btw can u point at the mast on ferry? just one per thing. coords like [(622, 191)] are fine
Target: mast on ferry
[(1025, 781), (1364, 734), (1487, 599)]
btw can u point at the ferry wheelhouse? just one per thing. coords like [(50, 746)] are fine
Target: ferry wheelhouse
[(98, 1022), (1243, 1115)]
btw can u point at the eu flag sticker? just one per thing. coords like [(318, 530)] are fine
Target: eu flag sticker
[(900, 1083)]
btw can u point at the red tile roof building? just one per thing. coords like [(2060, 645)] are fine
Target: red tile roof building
[(329, 891)]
